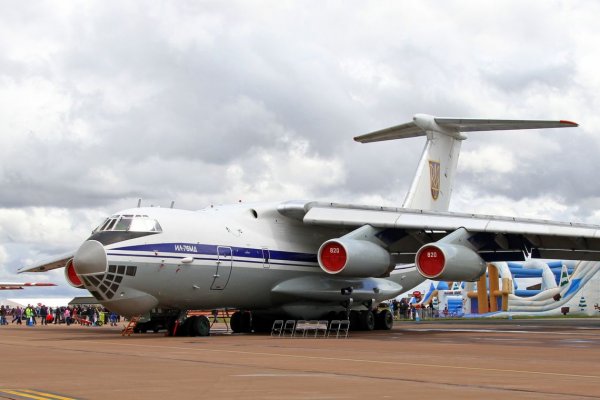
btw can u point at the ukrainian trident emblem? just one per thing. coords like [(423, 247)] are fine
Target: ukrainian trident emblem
[(434, 178)]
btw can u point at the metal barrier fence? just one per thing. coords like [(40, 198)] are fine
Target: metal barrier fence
[(311, 329)]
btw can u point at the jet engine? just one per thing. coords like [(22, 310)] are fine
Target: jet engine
[(355, 258), (72, 278), (449, 262)]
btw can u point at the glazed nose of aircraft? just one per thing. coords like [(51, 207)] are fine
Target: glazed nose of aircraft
[(90, 258)]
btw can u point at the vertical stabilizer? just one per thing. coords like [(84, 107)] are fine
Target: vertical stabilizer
[(431, 187)]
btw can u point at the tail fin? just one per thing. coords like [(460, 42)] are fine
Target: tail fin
[(432, 184)]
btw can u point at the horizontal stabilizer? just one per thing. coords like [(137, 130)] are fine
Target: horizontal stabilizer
[(422, 123), (475, 125)]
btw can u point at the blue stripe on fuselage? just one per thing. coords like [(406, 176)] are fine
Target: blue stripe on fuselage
[(209, 249)]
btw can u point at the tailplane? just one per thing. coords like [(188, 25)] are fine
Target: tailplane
[(432, 184)]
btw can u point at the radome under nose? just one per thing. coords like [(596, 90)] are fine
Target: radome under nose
[(90, 258)]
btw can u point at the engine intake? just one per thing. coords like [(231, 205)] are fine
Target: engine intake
[(351, 257), (449, 262), (72, 278)]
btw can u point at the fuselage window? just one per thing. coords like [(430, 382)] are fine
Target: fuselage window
[(123, 224), (129, 223), (111, 224), (103, 225), (144, 225)]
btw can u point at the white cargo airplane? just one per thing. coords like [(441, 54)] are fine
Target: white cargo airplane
[(311, 260)]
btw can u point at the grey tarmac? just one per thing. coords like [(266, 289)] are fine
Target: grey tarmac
[(470, 359)]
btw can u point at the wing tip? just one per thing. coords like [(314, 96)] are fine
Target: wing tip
[(569, 123)]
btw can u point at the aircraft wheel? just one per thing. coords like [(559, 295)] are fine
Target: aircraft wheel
[(355, 321), (367, 320), (246, 322), (185, 329), (200, 326), (190, 325), (384, 320), (171, 326), (236, 322)]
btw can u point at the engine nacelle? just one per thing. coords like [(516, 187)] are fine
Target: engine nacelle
[(449, 262), (351, 257), (71, 276)]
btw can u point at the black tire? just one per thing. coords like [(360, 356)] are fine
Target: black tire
[(384, 320), (190, 325), (200, 326), (246, 322), (171, 327), (236, 322), (185, 328), (355, 321), (367, 320)]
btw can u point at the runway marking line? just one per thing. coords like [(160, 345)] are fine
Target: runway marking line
[(358, 360), (34, 394)]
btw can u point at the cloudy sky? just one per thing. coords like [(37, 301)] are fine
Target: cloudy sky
[(211, 102)]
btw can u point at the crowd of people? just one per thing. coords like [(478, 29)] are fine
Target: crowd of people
[(403, 309), (32, 315)]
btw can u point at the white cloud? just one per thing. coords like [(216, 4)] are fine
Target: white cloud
[(214, 102), (489, 159)]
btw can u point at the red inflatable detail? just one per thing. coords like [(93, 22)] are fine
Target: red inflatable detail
[(431, 261), (72, 275), (333, 257)]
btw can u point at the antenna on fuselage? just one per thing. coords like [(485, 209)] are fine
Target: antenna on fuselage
[(139, 203), (172, 203)]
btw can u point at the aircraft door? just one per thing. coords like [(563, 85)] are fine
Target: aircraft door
[(224, 266), (266, 257)]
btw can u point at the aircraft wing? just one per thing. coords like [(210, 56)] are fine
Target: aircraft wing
[(17, 286), (498, 238), (58, 261)]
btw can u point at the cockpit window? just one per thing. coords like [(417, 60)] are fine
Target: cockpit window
[(130, 223)]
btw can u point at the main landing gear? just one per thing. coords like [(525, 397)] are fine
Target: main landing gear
[(192, 326), (246, 322), (178, 323), (368, 320)]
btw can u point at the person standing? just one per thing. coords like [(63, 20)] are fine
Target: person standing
[(17, 315), (3, 313), (29, 315), (44, 314), (67, 316)]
